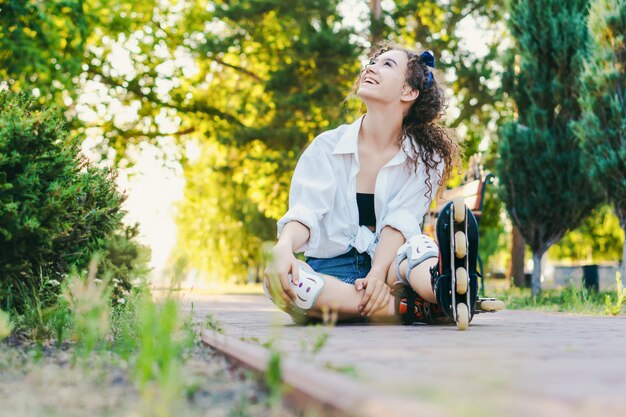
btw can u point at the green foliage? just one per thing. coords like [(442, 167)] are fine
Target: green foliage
[(615, 309), (281, 71), (5, 325), (545, 185), (212, 323), (159, 346), (602, 125), (598, 238), (88, 299), (570, 299), (221, 226), (62, 321), (55, 208), (41, 318), (315, 339), (493, 236), (261, 78), (41, 43), (123, 262), (473, 79), (274, 380), (349, 370), (125, 325)]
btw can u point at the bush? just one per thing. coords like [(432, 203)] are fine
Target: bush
[(56, 209), (124, 263)]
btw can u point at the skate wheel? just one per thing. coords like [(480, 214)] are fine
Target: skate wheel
[(461, 281), (492, 305), (460, 245), (458, 207), (462, 316)]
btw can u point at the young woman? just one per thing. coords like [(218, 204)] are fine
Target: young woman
[(358, 195)]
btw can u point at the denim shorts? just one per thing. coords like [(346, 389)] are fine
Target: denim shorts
[(347, 267)]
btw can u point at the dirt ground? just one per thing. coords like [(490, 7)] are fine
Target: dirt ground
[(43, 381)]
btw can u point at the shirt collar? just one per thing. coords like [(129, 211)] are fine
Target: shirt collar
[(348, 143)]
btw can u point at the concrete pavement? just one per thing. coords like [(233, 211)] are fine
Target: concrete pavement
[(510, 363)]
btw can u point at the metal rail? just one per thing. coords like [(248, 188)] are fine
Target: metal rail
[(327, 392)]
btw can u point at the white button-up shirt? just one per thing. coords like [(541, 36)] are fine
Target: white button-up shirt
[(323, 195)]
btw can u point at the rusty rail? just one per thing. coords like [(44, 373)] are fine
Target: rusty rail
[(330, 392)]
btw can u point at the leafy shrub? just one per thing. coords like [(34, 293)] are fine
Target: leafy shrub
[(615, 309), (123, 263), (56, 209), (5, 325), (88, 301)]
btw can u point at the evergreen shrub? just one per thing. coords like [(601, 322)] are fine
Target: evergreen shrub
[(56, 209)]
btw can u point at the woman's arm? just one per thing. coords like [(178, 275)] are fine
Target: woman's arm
[(390, 241), (311, 196), (293, 236), (283, 262), (377, 292)]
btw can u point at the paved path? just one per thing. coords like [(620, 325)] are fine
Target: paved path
[(512, 363)]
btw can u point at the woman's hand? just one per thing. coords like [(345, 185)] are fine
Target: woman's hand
[(376, 295), (282, 263)]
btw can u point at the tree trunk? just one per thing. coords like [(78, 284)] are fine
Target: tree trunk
[(516, 264), (376, 24), (535, 283), (623, 268), (620, 211), (376, 8)]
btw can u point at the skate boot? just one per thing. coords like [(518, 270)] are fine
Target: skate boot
[(455, 280), (411, 308)]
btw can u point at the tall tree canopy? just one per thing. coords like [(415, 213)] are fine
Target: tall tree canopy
[(602, 127), (248, 83), (545, 185)]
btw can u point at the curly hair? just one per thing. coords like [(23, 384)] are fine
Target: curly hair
[(429, 139)]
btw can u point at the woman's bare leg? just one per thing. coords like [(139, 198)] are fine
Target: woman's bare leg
[(342, 299), (419, 279)]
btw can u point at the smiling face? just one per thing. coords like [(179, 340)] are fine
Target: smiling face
[(384, 78), (307, 289)]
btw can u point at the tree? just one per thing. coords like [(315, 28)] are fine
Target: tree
[(41, 44), (545, 185), (303, 66), (246, 74), (602, 125), (598, 238), (470, 75), (434, 25), (220, 225), (279, 74), (56, 209), (516, 263)]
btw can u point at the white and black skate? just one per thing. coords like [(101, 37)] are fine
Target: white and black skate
[(456, 281)]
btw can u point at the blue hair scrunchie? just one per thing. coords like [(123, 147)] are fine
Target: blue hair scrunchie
[(428, 58)]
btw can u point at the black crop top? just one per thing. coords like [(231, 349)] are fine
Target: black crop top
[(365, 203)]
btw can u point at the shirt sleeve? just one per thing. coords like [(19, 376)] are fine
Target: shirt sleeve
[(407, 209), (311, 194)]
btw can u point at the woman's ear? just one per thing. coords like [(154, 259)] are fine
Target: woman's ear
[(409, 94)]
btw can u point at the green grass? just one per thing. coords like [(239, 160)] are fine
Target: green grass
[(348, 370), (5, 325), (620, 296), (212, 323), (569, 299)]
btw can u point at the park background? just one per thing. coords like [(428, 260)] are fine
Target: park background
[(189, 116), (205, 106)]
